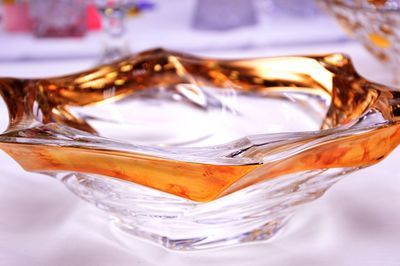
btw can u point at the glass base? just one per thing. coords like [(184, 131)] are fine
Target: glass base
[(268, 231), (255, 213)]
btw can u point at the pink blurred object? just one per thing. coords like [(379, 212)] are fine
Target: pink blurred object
[(16, 17), (93, 19), (61, 18)]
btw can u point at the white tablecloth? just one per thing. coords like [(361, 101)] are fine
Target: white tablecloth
[(355, 223)]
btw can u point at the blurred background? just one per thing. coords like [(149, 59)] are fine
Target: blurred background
[(45, 38), (72, 35), (58, 37)]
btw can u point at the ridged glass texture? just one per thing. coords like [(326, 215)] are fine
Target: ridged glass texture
[(196, 153), (255, 213)]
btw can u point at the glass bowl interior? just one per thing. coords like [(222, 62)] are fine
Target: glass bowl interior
[(161, 117)]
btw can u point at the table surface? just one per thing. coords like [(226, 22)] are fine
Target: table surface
[(355, 223)]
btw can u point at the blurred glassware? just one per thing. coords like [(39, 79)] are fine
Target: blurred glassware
[(93, 17), (15, 15), (224, 14), (61, 18), (374, 23), (113, 14)]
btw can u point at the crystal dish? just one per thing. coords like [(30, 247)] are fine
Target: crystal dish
[(195, 153)]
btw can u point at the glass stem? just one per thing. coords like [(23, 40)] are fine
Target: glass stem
[(116, 44)]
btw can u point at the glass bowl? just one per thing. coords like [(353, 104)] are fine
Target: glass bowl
[(375, 24), (195, 153)]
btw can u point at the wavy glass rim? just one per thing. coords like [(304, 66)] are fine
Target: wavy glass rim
[(360, 115)]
